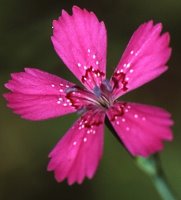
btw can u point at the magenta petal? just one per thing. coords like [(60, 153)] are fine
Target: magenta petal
[(141, 128), (144, 59), (77, 154), (38, 95), (80, 41)]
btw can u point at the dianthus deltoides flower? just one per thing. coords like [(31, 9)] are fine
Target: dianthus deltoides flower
[(80, 40)]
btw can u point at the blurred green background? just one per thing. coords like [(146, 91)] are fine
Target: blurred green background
[(25, 30)]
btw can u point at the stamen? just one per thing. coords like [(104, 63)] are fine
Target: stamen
[(97, 91), (71, 89), (107, 85)]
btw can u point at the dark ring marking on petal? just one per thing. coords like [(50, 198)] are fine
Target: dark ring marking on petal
[(91, 73), (92, 119), (120, 77), (117, 110)]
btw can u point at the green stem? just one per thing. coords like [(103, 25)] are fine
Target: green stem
[(152, 167), (162, 188)]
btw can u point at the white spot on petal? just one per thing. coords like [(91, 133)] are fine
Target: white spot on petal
[(127, 128), (53, 85), (117, 122), (88, 50), (128, 65), (135, 115), (61, 90), (97, 62), (78, 64), (132, 52), (93, 56), (123, 119), (85, 139), (74, 143), (131, 70), (58, 102), (85, 67)]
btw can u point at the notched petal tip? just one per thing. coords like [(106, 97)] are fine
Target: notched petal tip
[(152, 24), (76, 8), (6, 95), (64, 14), (151, 21), (167, 37), (6, 85)]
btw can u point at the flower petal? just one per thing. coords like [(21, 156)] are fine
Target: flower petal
[(144, 59), (77, 154), (141, 128), (38, 95), (80, 41)]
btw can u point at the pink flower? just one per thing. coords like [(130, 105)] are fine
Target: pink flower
[(80, 40)]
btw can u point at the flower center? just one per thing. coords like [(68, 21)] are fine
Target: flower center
[(84, 100), (103, 94)]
